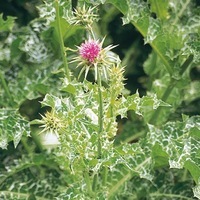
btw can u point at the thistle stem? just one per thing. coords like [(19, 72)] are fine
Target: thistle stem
[(104, 175), (95, 182), (37, 140), (88, 183), (100, 112), (61, 42), (5, 86), (111, 110)]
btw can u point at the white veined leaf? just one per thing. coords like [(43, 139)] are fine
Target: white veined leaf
[(12, 127)]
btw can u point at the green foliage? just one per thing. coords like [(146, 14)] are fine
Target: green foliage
[(160, 8), (80, 147), (27, 178), (6, 25), (12, 128)]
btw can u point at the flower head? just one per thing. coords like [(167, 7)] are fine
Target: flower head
[(90, 50), (82, 15), (52, 122), (92, 55)]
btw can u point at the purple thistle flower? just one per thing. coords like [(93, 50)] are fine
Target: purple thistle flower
[(90, 50), (92, 55)]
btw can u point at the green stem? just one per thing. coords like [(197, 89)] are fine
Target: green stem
[(37, 140), (169, 89), (186, 64), (88, 183), (95, 182), (5, 86), (111, 109), (104, 175), (100, 112), (184, 177), (61, 42), (134, 137), (26, 146)]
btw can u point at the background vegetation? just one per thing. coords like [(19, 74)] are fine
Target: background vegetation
[(158, 43)]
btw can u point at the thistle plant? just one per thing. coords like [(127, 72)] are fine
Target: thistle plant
[(85, 120), (109, 143)]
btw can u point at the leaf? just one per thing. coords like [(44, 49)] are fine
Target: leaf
[(69, 87), (167, 46), (36, 48), (152, 65), (121, 5), (51, 101), (47, 11), (12, 127), (36, 122), (120, 177), (160, 8), (68, 31), (196, 190), (160, 156), (181, 147), (193, 45), (127, 162), (6, 25), (139, 15), (154, 31), (144, 106), (193, 169), (165, 188), (24, 179), (32, 82)]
